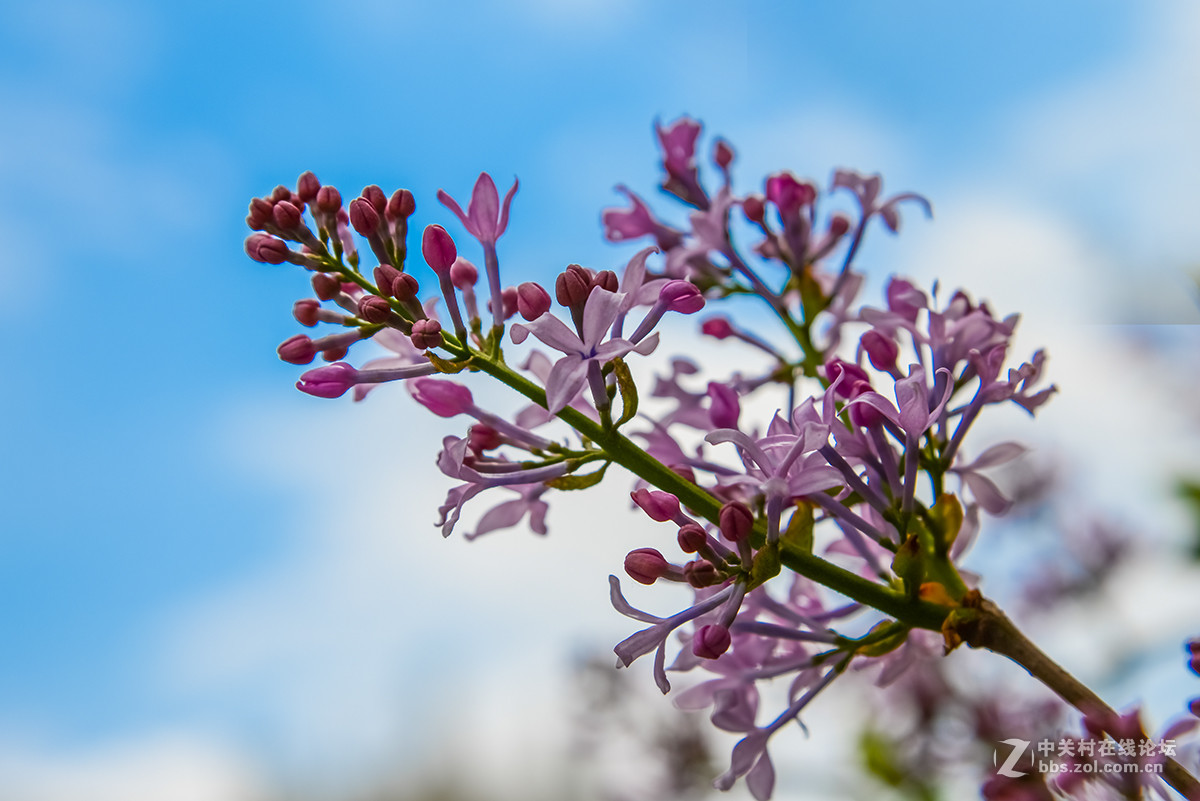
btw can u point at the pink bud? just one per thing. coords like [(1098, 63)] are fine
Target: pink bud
[(839, 224), (329, 200), (532, 300), (374, 309), (405, 287), (261, 213), (267, 249), (402, 205), (854, 374), (864, 415), (736, 521), (385, 277), (286, 215), (701, 573), (376, 197), (307, 187), (438, 249), (658, 505), (717, 327), (681, 296), (443, 398), (646, 565), (754, 208), (297, 350), (722, 154), (481, 438), (335, 353), (573, 286), (724, 407), (426, 334), (328, 382), (508, 297), (905, 299), (326, 286), (691, 538), (788, 194), (363, 216), (463, 274), (711, 641), (606, 279), (305, 311), (881, 351)]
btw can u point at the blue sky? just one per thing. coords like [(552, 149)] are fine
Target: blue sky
[(159, 472)]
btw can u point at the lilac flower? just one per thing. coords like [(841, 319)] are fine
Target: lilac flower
[(334, 380), (486, 220), (509, 513), (638, 221), (678, 141), (570, 372), (984, 491)]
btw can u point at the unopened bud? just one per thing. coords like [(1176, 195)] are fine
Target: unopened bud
[(281, 192), (717, 327), (374, 309), (701, 573), (385, 277), (438, 248), (297, 350), (376, 197), (881, 351), (754, 208), (326, 286), (854, 374), (481, 438), (532, 300), (267, 249), (286, 215), (405, 287), (363, 216), (681, 296), (443, 398), (736, 521), (426, 334), (463, 274), (261, 213), (606, 279), (711, 641), (658, 505), (573, 286), (646, 565), (691, 538), (402, 205), (329, 200), (307, 187), (839, 224), (305, 311), (722, 154)]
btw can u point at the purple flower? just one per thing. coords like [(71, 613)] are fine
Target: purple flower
[(485, 219), (570, 372)]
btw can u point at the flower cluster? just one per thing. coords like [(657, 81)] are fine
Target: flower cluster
[(823, 536)]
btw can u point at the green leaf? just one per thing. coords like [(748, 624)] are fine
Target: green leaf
[(629, 395), (766, 565), (446, 366), (798, 536), (574, 482)]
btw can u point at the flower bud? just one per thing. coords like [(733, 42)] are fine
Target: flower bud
[(329, 200), (905, 299), (374, 309), (267, 249), (305, 311), (646, 565), (881, 351), (405, 287), (854, 375), (788, 194), (426, 334), (482, 437), (385, 277), (711, 641), (326, 286), (463, 274), (402, 205), (839, 224), (681, 296), (297, 350), (532, 300), (736, 521), (363, 216), (606, 279), (508, 297), (328, 382), (375, 196), (717, 327), (286, 215), (573, 286), (722, 154), (307, 187), (261, 213), (864, 415), (443, 398), (438, 248), (701, 573), (335, 353), (691, 538), (658, 505), (754, 208)]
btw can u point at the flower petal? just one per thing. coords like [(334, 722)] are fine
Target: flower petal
[(566, 377), (452, 204), (550, 330), (502, 226), (599, 314), (484, 208)]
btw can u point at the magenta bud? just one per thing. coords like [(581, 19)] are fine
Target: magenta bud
[(405, 287), (463, 274), (754, 208), (334, 354), (326, 286), (376, 197), (385, 277), (438, 248), (532, 300), (606, 279), (328, 382), (717, 327), (261, 213), (788, 194), (508, 296), (267, 249), (646, 565), (881, 351), (839, 224), (681, 296), (905, 299), (722, 154), (443, 398), (305, 311), (711, 641), (426, 334), (329, 200), (658, 505), (702, 573), (363, 216), (281, 192), (374, 309), (286, 215), (481, 438), (864, 415), (724, 408), (402, 205), (692, 538), (573, 286), (854, 375), (736, 521), (307, 186), (297, 350)]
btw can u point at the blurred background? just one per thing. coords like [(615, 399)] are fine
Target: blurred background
[(214, 588)]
